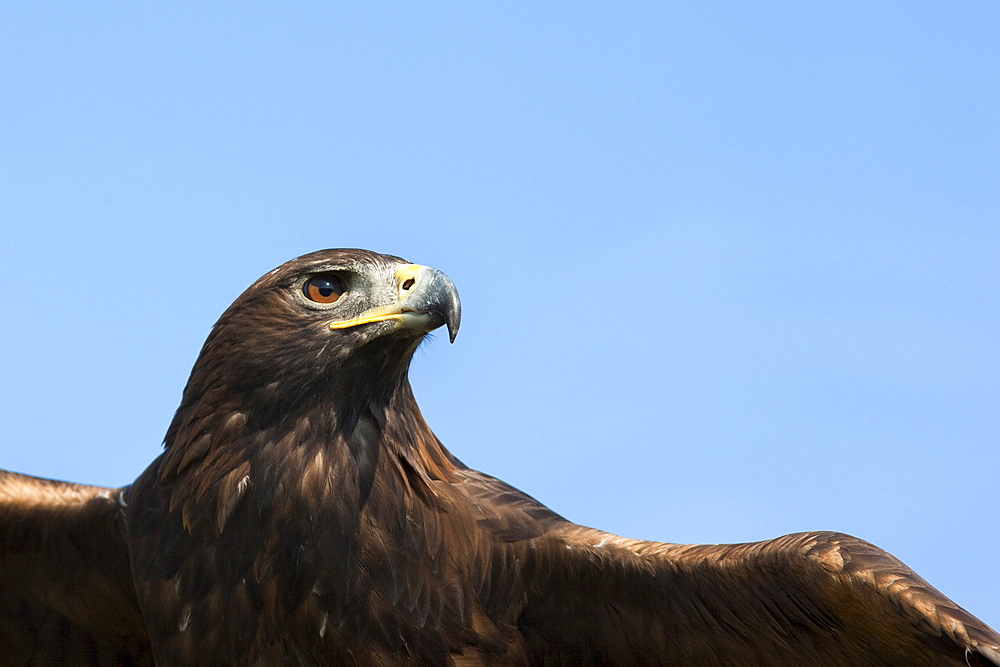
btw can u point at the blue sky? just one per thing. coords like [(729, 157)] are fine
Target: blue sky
[(728, 271)]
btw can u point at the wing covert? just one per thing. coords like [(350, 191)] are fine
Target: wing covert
[(66, 595), (811, 598)]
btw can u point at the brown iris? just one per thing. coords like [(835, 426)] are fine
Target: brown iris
[(324, 288)]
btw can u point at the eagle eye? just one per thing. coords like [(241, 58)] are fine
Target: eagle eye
[(324, 288)]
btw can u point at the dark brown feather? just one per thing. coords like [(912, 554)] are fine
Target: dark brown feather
[(810, 598), (304, 513), (66, 596)]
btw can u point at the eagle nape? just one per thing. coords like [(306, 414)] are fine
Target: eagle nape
[(303, 512)]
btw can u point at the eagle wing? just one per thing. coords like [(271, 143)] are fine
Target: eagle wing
[(66, 594), (812, 598)]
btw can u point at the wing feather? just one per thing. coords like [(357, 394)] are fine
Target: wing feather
[(811, 598), (66, 595)]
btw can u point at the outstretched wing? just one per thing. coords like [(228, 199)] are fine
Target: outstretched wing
[(66, 595), (811, 599)]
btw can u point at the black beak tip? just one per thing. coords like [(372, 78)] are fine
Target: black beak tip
[(435, 293), (453, 316)]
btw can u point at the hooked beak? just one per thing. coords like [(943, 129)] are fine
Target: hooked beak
[(426, 299)]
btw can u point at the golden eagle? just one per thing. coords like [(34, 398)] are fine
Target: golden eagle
[(304, 513)]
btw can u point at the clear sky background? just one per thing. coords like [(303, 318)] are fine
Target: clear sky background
[(728, 270)]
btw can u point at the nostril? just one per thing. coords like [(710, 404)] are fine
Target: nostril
[(408, 283)]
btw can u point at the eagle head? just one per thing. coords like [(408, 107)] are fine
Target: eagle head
[(334, 324)]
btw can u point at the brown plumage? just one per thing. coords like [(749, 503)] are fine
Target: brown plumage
[(304, 513)]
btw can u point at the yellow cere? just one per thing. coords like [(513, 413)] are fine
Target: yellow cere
[(409, 271)]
